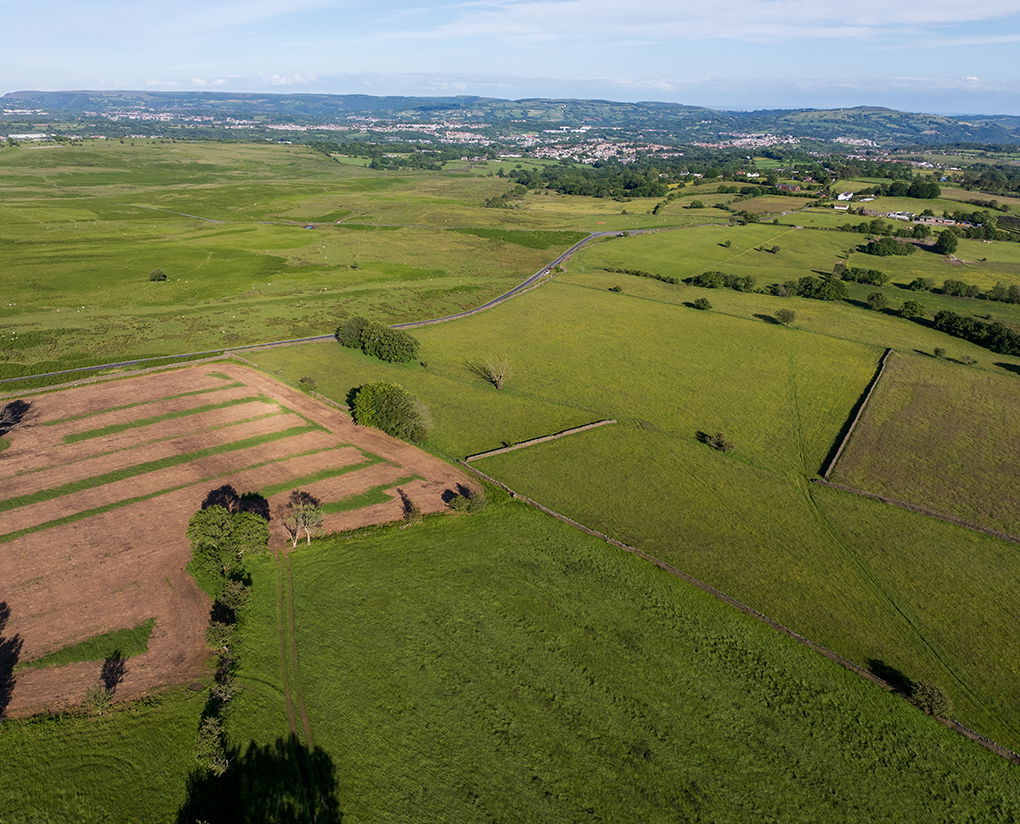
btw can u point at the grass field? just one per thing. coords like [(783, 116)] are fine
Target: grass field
[(747, 522), (129, 765), (493, 667), (934, 434)]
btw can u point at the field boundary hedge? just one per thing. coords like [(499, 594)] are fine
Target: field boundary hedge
[(847, 664), (543, 439), (862, 404)]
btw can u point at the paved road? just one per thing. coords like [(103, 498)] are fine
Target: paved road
[(520, 287)]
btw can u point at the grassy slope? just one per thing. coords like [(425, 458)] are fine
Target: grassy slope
[(747, 522), (947, 426), (495, 667), (122, 642)]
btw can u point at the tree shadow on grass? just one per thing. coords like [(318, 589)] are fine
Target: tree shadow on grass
[(281, 783), (233, 501), (892, 676), (10, 652), (112, 673), (1009, 367), (768, 319)]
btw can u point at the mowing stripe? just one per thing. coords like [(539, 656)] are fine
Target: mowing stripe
[(99, 510), (375, 495), (142, 403), (148, 466), (86, 434), (22, 472), (321, 475)]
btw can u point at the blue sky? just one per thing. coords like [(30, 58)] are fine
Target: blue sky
[(938, 55)]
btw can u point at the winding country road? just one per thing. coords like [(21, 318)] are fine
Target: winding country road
[(520, 287)]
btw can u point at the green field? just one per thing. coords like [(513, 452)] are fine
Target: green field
[(128, 765), (493, 667), (501, 665), (947, 425), (747, 522)]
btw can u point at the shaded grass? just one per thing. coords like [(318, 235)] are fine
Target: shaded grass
[(149, 466), (87, 434), (126, 642)]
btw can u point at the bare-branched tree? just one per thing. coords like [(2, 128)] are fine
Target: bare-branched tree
[(301, 514), (494, 370)]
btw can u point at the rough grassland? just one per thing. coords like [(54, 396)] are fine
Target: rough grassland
[(944, 436), (130, 765), (495, 667), (747, 522)]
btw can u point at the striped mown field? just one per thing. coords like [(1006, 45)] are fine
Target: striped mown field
[(98, 484)]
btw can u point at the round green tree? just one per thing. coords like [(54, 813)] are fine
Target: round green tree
[(392, 409)]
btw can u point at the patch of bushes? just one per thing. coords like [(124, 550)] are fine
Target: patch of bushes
[(718, 441), (992, 335), (157, 276), (722, 280), (703, 304), (885, 246), (378, 341), (392, 409), (855, 274)]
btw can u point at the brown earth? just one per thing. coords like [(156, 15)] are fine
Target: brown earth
[(69, 582)]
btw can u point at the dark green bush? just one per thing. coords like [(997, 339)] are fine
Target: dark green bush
[(391, 345), (392, 409)]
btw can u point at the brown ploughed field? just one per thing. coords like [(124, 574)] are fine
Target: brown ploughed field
[(99, 482)]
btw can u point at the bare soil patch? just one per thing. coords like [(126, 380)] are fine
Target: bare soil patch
[(69, 582)]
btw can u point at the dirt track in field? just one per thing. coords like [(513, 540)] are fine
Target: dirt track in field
[(70, 582)]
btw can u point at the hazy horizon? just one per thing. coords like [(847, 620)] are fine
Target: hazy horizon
[(730, 55)]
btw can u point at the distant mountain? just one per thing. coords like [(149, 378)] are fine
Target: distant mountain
[(671, 122)]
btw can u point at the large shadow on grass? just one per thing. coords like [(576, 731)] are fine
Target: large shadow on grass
[(10, 652), (1009, 367), (281, 783)]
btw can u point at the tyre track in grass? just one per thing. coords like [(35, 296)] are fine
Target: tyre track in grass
[(297, 713)]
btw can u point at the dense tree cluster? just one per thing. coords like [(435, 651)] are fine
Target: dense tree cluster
[(885, 246), (995, 178), (722, 280), (992, 335), (855, 274), (918, 187), (392, 345), (392, 409), (616, 180), (1001, 292), (825, 288)]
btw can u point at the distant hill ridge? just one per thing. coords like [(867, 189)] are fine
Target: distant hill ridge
[(677, 122)]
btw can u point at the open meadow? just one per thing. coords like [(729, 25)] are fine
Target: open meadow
[(749, 522)]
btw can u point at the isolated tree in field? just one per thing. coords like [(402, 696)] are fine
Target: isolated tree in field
[(696, 204), (493, 370), (392, 409), (302, 514), (392, 345), (157, 275), (704, 304), (946, 242), (878, 301), (911, 310), (785, 316)]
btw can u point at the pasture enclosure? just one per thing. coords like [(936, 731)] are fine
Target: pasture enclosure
[(941, 435), (99, 484)]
